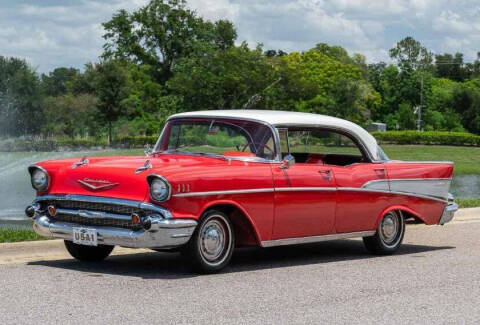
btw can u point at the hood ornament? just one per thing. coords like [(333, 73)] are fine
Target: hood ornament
[(96, 184), (83, 161), (145, 167), (148, 150)]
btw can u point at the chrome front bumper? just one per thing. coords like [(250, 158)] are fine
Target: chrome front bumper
[(448, 213), (164, 233)]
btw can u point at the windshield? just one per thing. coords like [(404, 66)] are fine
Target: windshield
[(218, 137)]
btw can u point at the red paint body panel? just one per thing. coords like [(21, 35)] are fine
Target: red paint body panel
[(338, 205), (303, 212), (358, 210)]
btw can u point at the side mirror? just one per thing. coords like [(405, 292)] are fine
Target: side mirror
[(287, 161)]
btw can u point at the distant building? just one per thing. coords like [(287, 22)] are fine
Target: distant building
[(376, 127)]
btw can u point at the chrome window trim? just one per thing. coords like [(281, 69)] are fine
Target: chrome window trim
[(169, 186), (271, 127), (99, 199), (315, 239), (364, 150)]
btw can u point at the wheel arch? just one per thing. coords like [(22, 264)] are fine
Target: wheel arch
[(246, 234), (406, 211)]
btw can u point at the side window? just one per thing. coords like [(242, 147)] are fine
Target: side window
[(323, 146), (283, 134)]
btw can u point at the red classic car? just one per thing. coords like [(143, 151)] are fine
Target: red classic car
[(221, 179)]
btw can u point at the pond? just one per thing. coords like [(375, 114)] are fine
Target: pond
[(16, 192)]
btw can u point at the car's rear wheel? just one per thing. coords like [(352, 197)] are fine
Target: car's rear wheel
[(389, 235), (211, 246), (88, 253)]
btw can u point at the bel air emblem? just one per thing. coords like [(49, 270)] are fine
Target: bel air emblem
[(96, 184)]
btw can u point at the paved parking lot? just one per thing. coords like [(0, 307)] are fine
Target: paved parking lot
[(435, 278)]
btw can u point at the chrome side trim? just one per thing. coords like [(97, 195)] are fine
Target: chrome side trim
[(429, 187), (99, 199), (359, 189), (306, 189), (315, 239), (229, 192)]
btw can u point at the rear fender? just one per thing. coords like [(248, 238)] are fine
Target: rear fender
[(398, 208)]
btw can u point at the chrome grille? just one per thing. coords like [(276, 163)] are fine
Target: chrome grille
[(102, 222), (94, 206), (124, 210)]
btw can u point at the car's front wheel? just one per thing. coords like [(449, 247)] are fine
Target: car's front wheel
[(88, 253), (211, 246), (389, 235)]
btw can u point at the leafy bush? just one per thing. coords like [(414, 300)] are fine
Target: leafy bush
[(53, 144), (428, 137)]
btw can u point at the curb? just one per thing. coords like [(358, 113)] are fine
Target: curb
[(23, 252)]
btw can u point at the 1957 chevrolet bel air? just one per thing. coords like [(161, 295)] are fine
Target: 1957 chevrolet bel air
[(217, 180)]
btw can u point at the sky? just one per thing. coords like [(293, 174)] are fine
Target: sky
[(53, 33)]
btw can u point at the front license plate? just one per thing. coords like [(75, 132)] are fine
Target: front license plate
[(85, 236)]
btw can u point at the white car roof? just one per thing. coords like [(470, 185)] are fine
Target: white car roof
[(292, 119)]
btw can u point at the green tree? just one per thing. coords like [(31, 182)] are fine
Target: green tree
[(410, 54), (224, 79), (71, 116), (314, 82), (111, 84), (55, 83), (20, 109), (162, 33), (450, 66)]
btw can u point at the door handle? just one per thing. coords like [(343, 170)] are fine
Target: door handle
[(380, 171), (327, 173)]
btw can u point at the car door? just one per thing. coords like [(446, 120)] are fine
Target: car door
[(305, 193), (363, 193)]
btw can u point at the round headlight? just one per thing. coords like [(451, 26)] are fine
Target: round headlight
[(39, 179), (159, 189)]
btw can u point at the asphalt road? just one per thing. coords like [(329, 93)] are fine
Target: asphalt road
[(434, 278)]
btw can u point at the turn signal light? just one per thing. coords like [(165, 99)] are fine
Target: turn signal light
[(136, 219), (52, 211)]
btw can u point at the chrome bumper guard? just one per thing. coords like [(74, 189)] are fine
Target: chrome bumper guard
[(448, 212), (164, 233)]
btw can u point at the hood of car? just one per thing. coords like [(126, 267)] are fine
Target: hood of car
[(118, 177)]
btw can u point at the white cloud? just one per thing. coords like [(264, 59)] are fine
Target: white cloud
[(69, 33)]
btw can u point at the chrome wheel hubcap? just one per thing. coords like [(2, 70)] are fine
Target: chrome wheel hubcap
[(389, 228), (213, 240)]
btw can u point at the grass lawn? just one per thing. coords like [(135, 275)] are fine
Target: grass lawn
[(466, 159), (16, 235), (468, 203)]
